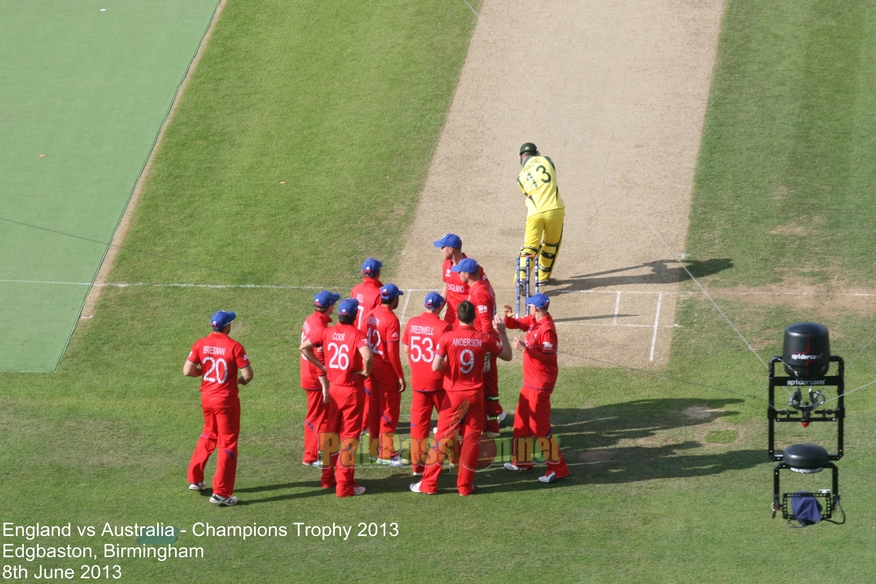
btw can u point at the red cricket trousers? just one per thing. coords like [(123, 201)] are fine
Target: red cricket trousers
[(221, 428), (422, 404), (314, 421), (532, 429), (447, 441), (340, 440), (383, 412), (491, 397), (366, 408)]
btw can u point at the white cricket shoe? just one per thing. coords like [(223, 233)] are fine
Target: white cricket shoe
[(394, 461), (550, 477), (223, 501), (415, 488)]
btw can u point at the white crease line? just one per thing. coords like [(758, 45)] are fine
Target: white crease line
[(617, 307), (647, 326), (656, 324), (212, 286), (405, 308)]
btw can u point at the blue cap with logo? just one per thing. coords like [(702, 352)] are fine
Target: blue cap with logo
[(222, 319), (325, 299), (540, 301), (434, 301), (371, 267), (348, 307), (467, 265), (449, 240), (390, 291)]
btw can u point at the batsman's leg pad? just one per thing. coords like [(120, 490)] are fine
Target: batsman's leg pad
[(548, 256)]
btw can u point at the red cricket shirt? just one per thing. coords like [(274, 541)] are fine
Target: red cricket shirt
[(421, 337), (466, 350), (341, 344), (368, 295), (220, 357), (540, 356), (456, 290), (384, 332), (309, 371), (481, 294)]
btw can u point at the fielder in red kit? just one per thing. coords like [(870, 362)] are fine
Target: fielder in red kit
[(387, 377), (532, 422), (419, 341), (347, 364), (217, 359), (461, 353), (481, 294), (367, 294), (313, 380), (455, 290)]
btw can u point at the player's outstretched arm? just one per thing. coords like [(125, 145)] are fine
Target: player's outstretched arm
[(507, 351)]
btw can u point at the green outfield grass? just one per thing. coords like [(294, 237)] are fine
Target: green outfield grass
[(671, 480)]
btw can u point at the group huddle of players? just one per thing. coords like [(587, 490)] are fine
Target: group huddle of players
[(353, 377), (452, 361)]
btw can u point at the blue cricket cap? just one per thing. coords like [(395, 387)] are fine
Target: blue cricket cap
[(449, 240), (434, 301), (540, 301), (467, 265), (325, 299), (371, 267), (348, 307), (390, 291), (222, 319)]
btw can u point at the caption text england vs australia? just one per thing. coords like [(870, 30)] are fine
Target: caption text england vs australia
[(36, 531)]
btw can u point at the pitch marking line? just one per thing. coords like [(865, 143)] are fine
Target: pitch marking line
[(616, 307), (656, 323)]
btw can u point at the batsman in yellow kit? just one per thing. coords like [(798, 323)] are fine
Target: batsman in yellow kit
[(545, 212)]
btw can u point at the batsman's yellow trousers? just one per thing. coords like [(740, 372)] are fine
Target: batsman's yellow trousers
[(544, 234)]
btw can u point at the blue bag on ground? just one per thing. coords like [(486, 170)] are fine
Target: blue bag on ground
[(806, 508)]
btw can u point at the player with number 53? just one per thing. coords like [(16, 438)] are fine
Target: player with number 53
[(419, 341)]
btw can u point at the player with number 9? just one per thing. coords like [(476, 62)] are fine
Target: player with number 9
[(419, 341)]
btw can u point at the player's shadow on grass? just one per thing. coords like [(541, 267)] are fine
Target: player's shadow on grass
[(656, 272), (302, 490), (607, 425), (667, 435), (373, 477)]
